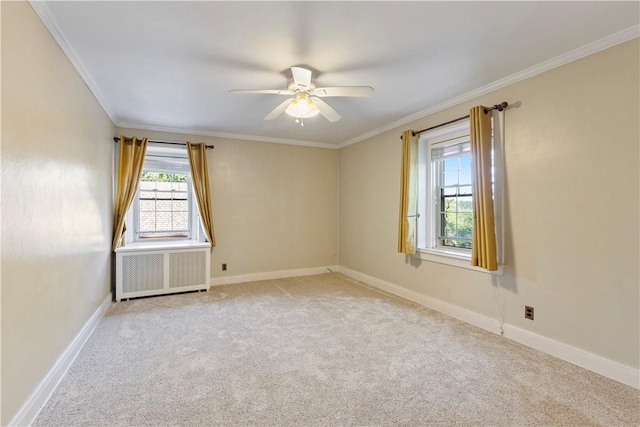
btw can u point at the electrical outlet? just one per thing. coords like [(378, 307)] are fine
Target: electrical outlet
[(528, 312), (224, 267)]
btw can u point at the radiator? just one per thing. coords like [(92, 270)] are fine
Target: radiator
[(147, 270)]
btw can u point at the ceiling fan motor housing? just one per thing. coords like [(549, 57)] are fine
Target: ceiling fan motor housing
[(306, 100), (295, 88)]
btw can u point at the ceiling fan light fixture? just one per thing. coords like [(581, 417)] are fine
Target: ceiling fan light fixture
[(307, 97), (302, 108)]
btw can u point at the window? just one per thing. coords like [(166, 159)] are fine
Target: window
[(164, 207), (445, 198), (453, 205)]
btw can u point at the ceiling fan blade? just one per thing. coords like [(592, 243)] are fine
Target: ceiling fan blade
[(278, 110), (328, 112), (262, 91), (344, 91), (301, 76)]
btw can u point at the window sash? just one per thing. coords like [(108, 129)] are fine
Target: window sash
[(168, 233), (449, 150)]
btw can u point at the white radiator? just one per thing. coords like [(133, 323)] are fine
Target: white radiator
[(155, 270)]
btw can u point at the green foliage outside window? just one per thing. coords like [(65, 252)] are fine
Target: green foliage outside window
[(162, 177), (457, 221)]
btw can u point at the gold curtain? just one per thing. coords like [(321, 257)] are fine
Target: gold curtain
[(408, 194), (130, 163), (200, 178), (483, 252)]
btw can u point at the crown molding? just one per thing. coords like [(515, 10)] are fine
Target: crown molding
[(44, 13), (48, 19), (41, 8), (215, 134), (573, 55)]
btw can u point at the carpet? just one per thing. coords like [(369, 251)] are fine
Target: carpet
[(321, 350)]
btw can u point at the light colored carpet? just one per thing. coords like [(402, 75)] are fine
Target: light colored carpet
[(318, 350)]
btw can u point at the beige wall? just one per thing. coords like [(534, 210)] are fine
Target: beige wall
[(56, 204), (571, 202), (571, 197), (274, 205)]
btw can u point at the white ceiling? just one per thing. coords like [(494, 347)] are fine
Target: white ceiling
[(170, 65)]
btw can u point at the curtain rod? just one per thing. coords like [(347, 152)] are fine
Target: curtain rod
[(117, 139), (499, 107)]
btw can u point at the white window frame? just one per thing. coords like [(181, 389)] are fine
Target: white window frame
[(427, 248), (196, 234)]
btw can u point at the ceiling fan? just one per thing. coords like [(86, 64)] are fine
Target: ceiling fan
[(305, 99)]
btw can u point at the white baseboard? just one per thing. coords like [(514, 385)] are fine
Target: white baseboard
[(32, 406), (269, 275), (576, 356), (598, 364)]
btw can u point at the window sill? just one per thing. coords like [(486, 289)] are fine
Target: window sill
[(159, 246), (454, 259)]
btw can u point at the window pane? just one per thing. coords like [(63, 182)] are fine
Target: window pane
[(163, 221), (465, 162), (180, 220), (163, 205), (449, 204), (179, 205), (465, 204), (449, 225), (147, 185), (147, 221), (147, 205), (164, 186), (450, 164), (465, 225), (450, 178), (465, 177)]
